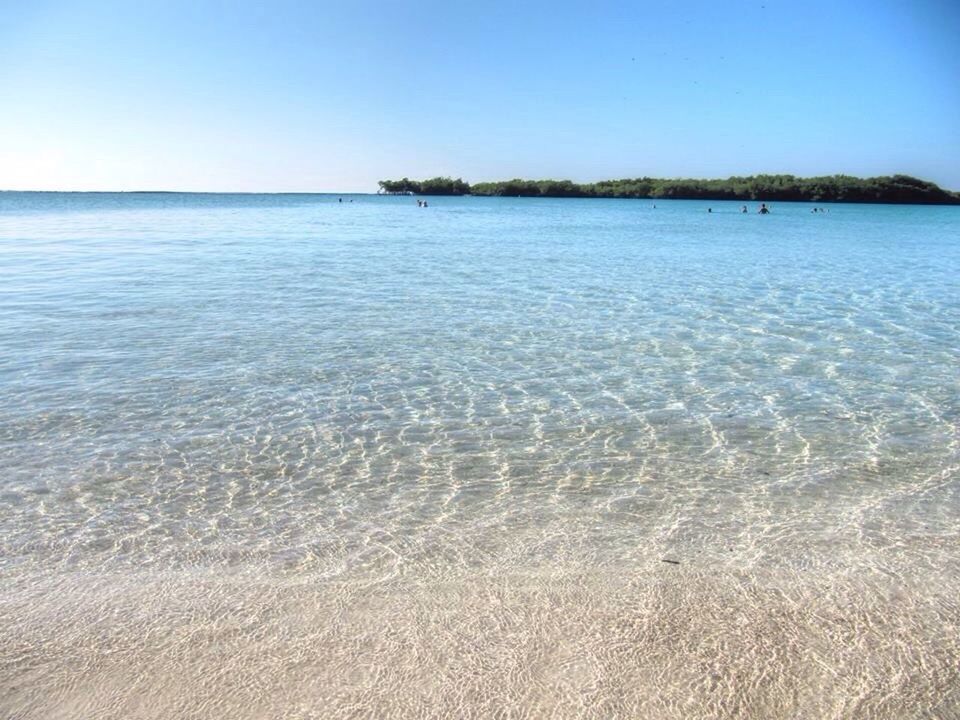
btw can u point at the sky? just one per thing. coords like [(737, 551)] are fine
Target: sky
[(288, 96)]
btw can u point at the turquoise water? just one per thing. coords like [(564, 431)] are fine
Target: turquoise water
[(282, 456)]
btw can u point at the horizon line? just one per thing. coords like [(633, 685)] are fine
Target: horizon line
[(451, 177), (386, 194), (199, 192)]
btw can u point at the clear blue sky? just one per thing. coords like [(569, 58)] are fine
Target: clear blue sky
[(283, 96)]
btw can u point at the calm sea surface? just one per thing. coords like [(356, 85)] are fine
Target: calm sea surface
[(283, 456)]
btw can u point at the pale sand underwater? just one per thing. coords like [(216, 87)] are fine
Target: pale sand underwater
[(667, 642)]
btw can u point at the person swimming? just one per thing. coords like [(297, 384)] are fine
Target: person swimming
[(763, 209), (743, 210)]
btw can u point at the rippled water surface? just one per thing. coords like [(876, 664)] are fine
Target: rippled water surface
[(286, 457)]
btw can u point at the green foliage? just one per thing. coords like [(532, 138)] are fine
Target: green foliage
[(398, 187), (433, 186), (833, 188)]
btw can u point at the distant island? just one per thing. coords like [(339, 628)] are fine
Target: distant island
[(831, 188)]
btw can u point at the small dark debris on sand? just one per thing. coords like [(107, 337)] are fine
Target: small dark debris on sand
[(672, 562)]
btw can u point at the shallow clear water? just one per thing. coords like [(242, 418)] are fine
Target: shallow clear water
[(281, 456)]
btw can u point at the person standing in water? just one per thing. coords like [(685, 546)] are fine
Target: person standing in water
[(743, 210), (764, 209)]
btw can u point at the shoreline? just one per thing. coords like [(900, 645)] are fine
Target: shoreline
[(888, 189), (666, 642)]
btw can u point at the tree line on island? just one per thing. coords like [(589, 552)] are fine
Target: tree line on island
[(832, 188)]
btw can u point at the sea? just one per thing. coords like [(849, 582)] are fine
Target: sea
[(341, 456)]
